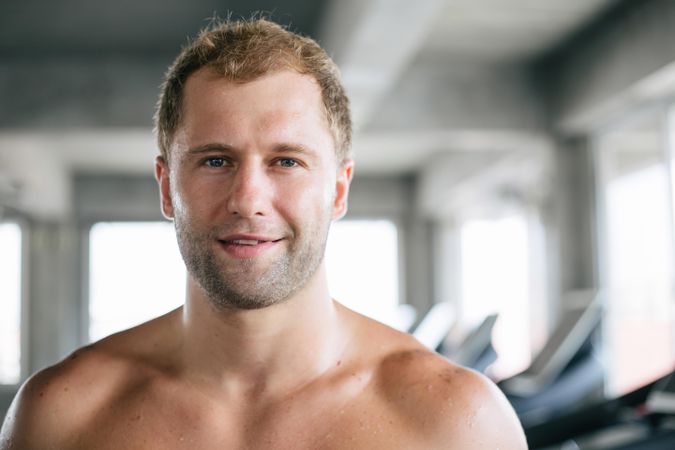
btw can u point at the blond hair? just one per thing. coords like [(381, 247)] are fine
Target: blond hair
[(242, 51)]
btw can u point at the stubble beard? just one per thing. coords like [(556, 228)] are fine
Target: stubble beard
[(242, 285)]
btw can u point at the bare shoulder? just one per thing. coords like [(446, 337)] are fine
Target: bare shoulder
[(56, 404), (449, 406), (438, 403)]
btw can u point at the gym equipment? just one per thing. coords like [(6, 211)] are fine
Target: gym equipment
[(567, 371), (475, 351), (435, 325), (639, 420)]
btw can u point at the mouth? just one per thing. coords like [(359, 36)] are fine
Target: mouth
[(244, 242), (241, 239), (247, 246)]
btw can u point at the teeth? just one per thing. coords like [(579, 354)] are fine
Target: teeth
[(245, 242)]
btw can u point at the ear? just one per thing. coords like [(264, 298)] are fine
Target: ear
[(162, 177), (342, 182)]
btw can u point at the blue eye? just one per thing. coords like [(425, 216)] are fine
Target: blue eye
[(286, 162), (215, 162)]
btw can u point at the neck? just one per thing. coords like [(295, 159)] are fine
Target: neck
[(270, 349)]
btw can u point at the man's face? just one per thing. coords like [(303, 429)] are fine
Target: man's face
[(252, 185)]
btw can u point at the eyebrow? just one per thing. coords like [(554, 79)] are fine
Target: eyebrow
[(210, 147), (280, 148), (294, 148)]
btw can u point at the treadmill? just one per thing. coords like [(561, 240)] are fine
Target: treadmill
[(566, 372), (640, 420), (476, 350), (435, 326)]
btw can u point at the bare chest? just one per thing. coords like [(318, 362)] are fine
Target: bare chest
[(304, 423)]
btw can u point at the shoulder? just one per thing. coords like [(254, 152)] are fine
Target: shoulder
[(446, 405), (50, 406), (56, 404), (436, 404)]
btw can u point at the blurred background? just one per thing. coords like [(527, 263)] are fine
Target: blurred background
[(513, 198)]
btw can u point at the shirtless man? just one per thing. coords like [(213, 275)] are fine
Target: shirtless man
[(254, 131)]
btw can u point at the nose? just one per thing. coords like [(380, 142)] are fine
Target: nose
[(249, 191)]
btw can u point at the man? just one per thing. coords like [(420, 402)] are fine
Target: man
[(254, 132)]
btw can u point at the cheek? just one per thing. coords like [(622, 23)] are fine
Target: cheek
[(317, 193), (305, 200), (191, 200), (177, 201)]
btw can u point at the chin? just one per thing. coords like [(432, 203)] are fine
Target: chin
[(230, 300)]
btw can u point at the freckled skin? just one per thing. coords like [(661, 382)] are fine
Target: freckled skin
[(299, 372)]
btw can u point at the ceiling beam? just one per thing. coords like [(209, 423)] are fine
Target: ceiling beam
[(373, 42)]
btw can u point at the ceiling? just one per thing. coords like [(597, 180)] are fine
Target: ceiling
[(507, 30), (79, 78), (475, 28), (95, 28)]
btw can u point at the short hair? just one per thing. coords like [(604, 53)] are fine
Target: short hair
[(243, 51)]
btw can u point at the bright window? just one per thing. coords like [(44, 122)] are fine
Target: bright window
[(496, 279), (10, 306), (362, 265), (136, 274), (638, 258)]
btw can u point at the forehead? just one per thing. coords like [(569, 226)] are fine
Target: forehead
[(281, 105)]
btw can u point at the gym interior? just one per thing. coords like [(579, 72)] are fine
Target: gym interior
[(512, 207)]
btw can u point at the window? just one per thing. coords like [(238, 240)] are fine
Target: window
[(637, 266), (362, 265), (136, 274), (10, 306), (496, 278)]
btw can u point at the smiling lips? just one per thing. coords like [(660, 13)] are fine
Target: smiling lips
[(246, 246), (246, 241)]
